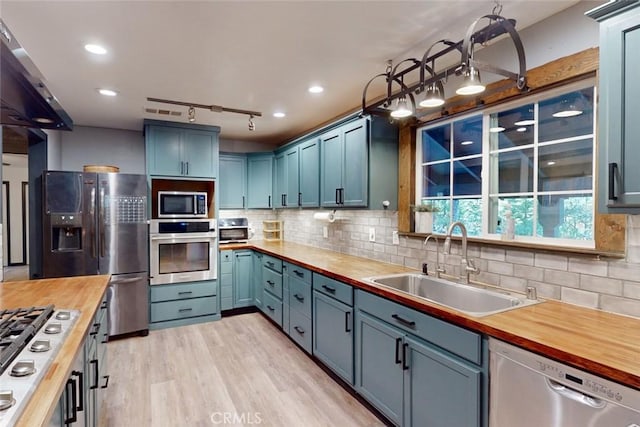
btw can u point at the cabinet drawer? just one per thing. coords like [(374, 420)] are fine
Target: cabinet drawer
[(298, 272), (300, 296), (171, 310), (272, 282), (225, 256), (272, 263), (300, 329), (457, 340), (183, 291), (338, 290), (272, 307)]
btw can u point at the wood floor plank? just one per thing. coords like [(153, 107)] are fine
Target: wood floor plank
[(237, 371)]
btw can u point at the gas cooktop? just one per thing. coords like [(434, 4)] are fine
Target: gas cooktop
[(30, 338)]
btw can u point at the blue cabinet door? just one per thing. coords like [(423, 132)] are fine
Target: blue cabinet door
[(164, 156), (310, 173), (280, 190), (242, 278), (331, 158), (257, 279), (619, 127), (355, 164), (292, 198), (200, 153), (232, 182), (333, 334), (260, 181), (439, 390), (379, 373)]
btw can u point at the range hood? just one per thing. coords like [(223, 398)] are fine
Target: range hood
[(26, 101)]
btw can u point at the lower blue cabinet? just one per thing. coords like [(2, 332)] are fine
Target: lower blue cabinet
[(183, 304), (242, 283), (258, 288), (333, 334)]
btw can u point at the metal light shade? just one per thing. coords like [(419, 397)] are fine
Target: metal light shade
[(471, 84), (402, 109), (433, 97)]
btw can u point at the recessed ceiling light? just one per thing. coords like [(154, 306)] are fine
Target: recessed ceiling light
[(466, 143), (527, 122), (279, 114), (96, 49), (496, 129), (107, 92), (522, 129), (43, 120), (316, 89)]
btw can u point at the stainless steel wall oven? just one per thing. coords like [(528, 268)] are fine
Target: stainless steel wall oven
[(182, 250)]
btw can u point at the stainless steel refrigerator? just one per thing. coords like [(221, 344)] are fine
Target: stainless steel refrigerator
[(97, 224)]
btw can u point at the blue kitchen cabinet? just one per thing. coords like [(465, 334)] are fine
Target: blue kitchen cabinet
[(272, 304), (619, 93), (180, 150), (183, 304), (242, 278), (280, 180), (260, 181), (309, 169), (258, 288), (296, 311), (226, 280), (333, 334), (287, 178), (232, 184), (331, 165)]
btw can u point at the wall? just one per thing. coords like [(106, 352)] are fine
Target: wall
[(15, 173)]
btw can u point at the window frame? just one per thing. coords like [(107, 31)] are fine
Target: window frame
[(486, 113)]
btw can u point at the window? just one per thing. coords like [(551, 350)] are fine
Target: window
[(533, 158)]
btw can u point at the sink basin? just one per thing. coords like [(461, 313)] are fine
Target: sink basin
[(468, 299)]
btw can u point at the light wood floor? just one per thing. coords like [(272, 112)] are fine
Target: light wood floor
[(241, 366)]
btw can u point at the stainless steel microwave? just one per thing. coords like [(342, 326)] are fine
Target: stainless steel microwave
[(182, 204)]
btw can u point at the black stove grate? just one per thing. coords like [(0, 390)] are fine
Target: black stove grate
[(17, 327)]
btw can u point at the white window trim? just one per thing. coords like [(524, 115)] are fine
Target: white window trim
[(486, 156)]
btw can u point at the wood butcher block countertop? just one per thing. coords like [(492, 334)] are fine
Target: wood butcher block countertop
[(82, 293), (603, 343)]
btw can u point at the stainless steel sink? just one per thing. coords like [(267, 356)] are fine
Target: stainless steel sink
[(468, 299)]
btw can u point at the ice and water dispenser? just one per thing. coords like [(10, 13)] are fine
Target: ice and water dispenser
[(66, 232)]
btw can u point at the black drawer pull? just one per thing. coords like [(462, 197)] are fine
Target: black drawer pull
[(270, 308), (299, 297), (96, 328), (299, 330), (270, 264), (347, 323), (96, 373), (269, 200), (409, 323), (270, 283), (183, 310), (80, 376), (613, 167), (299, 273), (106, 381), (329, 289), (337, 197), (299, 199), (405, 365), (185, 292), (398, 341), (104, 305)]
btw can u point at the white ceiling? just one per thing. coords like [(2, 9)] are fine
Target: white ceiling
[(253, 55)]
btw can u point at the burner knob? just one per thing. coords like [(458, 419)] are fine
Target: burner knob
[(23, 368), (6, 399), (63, 315), (53, 328), (40, 346)]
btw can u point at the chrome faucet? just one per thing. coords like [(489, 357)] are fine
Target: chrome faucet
[(438, 268), (466, 264)]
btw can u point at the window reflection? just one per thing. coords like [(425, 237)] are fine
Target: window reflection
[(435, 143)]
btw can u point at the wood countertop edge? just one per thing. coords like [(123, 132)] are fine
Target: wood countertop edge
[(43, 402), (476, 324)]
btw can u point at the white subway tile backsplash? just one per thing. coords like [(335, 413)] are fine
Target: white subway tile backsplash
[(503, 268), (620, 269), (631, 289), (601, 285), (620, 305), (513, 283), (578, 297), (496, 254), (588, 266), (633, 253), (519, 257), (528, 272), (563, 278), (546, 290), (557, 262)]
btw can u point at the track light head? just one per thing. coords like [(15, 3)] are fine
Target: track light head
[(252, 126)]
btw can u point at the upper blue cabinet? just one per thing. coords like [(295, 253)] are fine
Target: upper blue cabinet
[(619, 92), (297, 179), (359, 164), (181, 150), (260, 181), (232, 182)]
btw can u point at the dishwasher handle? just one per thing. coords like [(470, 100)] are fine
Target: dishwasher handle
[(576, 396)]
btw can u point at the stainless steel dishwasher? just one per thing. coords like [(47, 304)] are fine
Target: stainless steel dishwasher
[(529, 390)]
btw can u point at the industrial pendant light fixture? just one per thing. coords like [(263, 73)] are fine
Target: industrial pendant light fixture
[(433, 97), (402, 109), (471, 84)]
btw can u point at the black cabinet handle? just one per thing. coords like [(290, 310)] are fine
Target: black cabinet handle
[(329, 289), (181, 168), (270, 283), (398, 341), (337, 197), (409, 323), (298, 273), (80, 376), (405, 365), (270, 264), (299, 330), (185, 292), (106, 382), (104, 305), (96, 328), (347, 323), (342, 196), (242, 202), (71, 404), (184, 310), (613, 168), (269, 200), (299, 297), (299, 199), (94, 362), (187, 163), (270, 308)]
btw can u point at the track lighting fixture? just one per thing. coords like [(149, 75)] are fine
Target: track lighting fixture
[(252, 126), (191, 114), (431, 81)]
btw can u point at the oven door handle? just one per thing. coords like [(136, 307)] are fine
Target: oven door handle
[(182, 239)]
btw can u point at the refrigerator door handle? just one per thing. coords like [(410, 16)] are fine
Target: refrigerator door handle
[(92, 209), (101, 224)]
